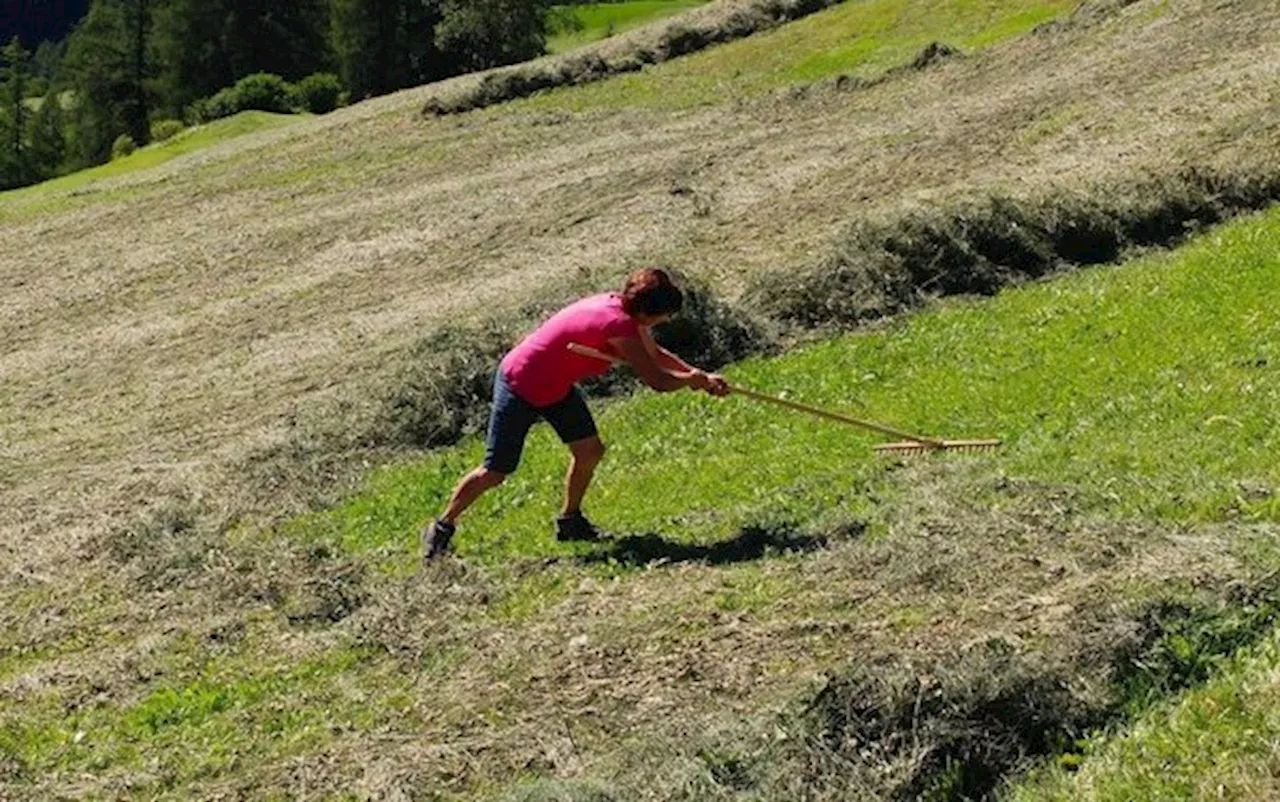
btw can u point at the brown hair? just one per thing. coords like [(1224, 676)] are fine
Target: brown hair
[(651, 292)]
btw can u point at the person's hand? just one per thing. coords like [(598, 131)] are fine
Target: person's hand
[(710, 383), (716, 385), (699, 380)]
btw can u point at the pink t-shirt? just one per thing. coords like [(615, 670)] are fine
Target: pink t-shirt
[(542, 370)]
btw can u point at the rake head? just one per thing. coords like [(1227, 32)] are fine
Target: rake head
[(914, 447)]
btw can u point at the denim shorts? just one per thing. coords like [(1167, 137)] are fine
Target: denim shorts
[(512, 417)]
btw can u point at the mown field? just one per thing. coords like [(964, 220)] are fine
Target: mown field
[(223, 372)]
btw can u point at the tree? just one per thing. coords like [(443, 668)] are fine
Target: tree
[(479, 34), (137, 118), (190, 44), (384, 45), (109, 67), (281, 37), (48, 59), (204, 46), (48, 138), (15, 163)]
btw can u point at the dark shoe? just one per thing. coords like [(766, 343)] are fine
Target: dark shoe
[(435, 539), (575, 527)]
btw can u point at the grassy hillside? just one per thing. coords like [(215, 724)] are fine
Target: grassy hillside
[(1136, 405), (208, 540), (241, 274), (189, 141), (597, 21), (1216, 742), (859, 38)]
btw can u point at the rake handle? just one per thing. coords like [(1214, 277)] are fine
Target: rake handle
[(583, 350), (836, 416)]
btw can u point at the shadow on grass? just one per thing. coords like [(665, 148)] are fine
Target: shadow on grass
[(752, 543)]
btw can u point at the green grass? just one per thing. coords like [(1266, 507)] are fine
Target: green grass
[(217, 716), (189, 141), (602, 20), (859, 37), (1219, 741), (1150, 389)]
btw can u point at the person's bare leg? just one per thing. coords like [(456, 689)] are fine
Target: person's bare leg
[(587, 454), (471, 487)]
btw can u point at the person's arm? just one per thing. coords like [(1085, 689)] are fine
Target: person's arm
[(662, 356), (664, 374), (716, 384), (650, 371)]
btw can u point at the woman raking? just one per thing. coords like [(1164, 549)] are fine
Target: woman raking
[(538, 380)]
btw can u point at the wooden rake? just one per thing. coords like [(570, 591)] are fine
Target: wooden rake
[(910, 444)]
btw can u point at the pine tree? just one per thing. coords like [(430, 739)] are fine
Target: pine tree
[(48, 138), (282, 37), (48, 59), (108, 66), (136, 113), (15, 163), (191, 47), (384, 45), (202, 46), (479, 34)]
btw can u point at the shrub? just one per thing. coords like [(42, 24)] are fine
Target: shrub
[(162, 130), (222, 104), (320, 93), (263, 91), (123, 146), (259, 92)]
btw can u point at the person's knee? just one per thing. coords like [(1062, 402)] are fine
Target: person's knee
[(490, 478), (590, 452)]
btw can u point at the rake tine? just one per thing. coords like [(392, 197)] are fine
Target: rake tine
[(963, 446)]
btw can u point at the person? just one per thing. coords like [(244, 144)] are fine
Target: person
[(538, 380)]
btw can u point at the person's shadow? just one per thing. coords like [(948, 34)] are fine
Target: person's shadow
[(752, 543)]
